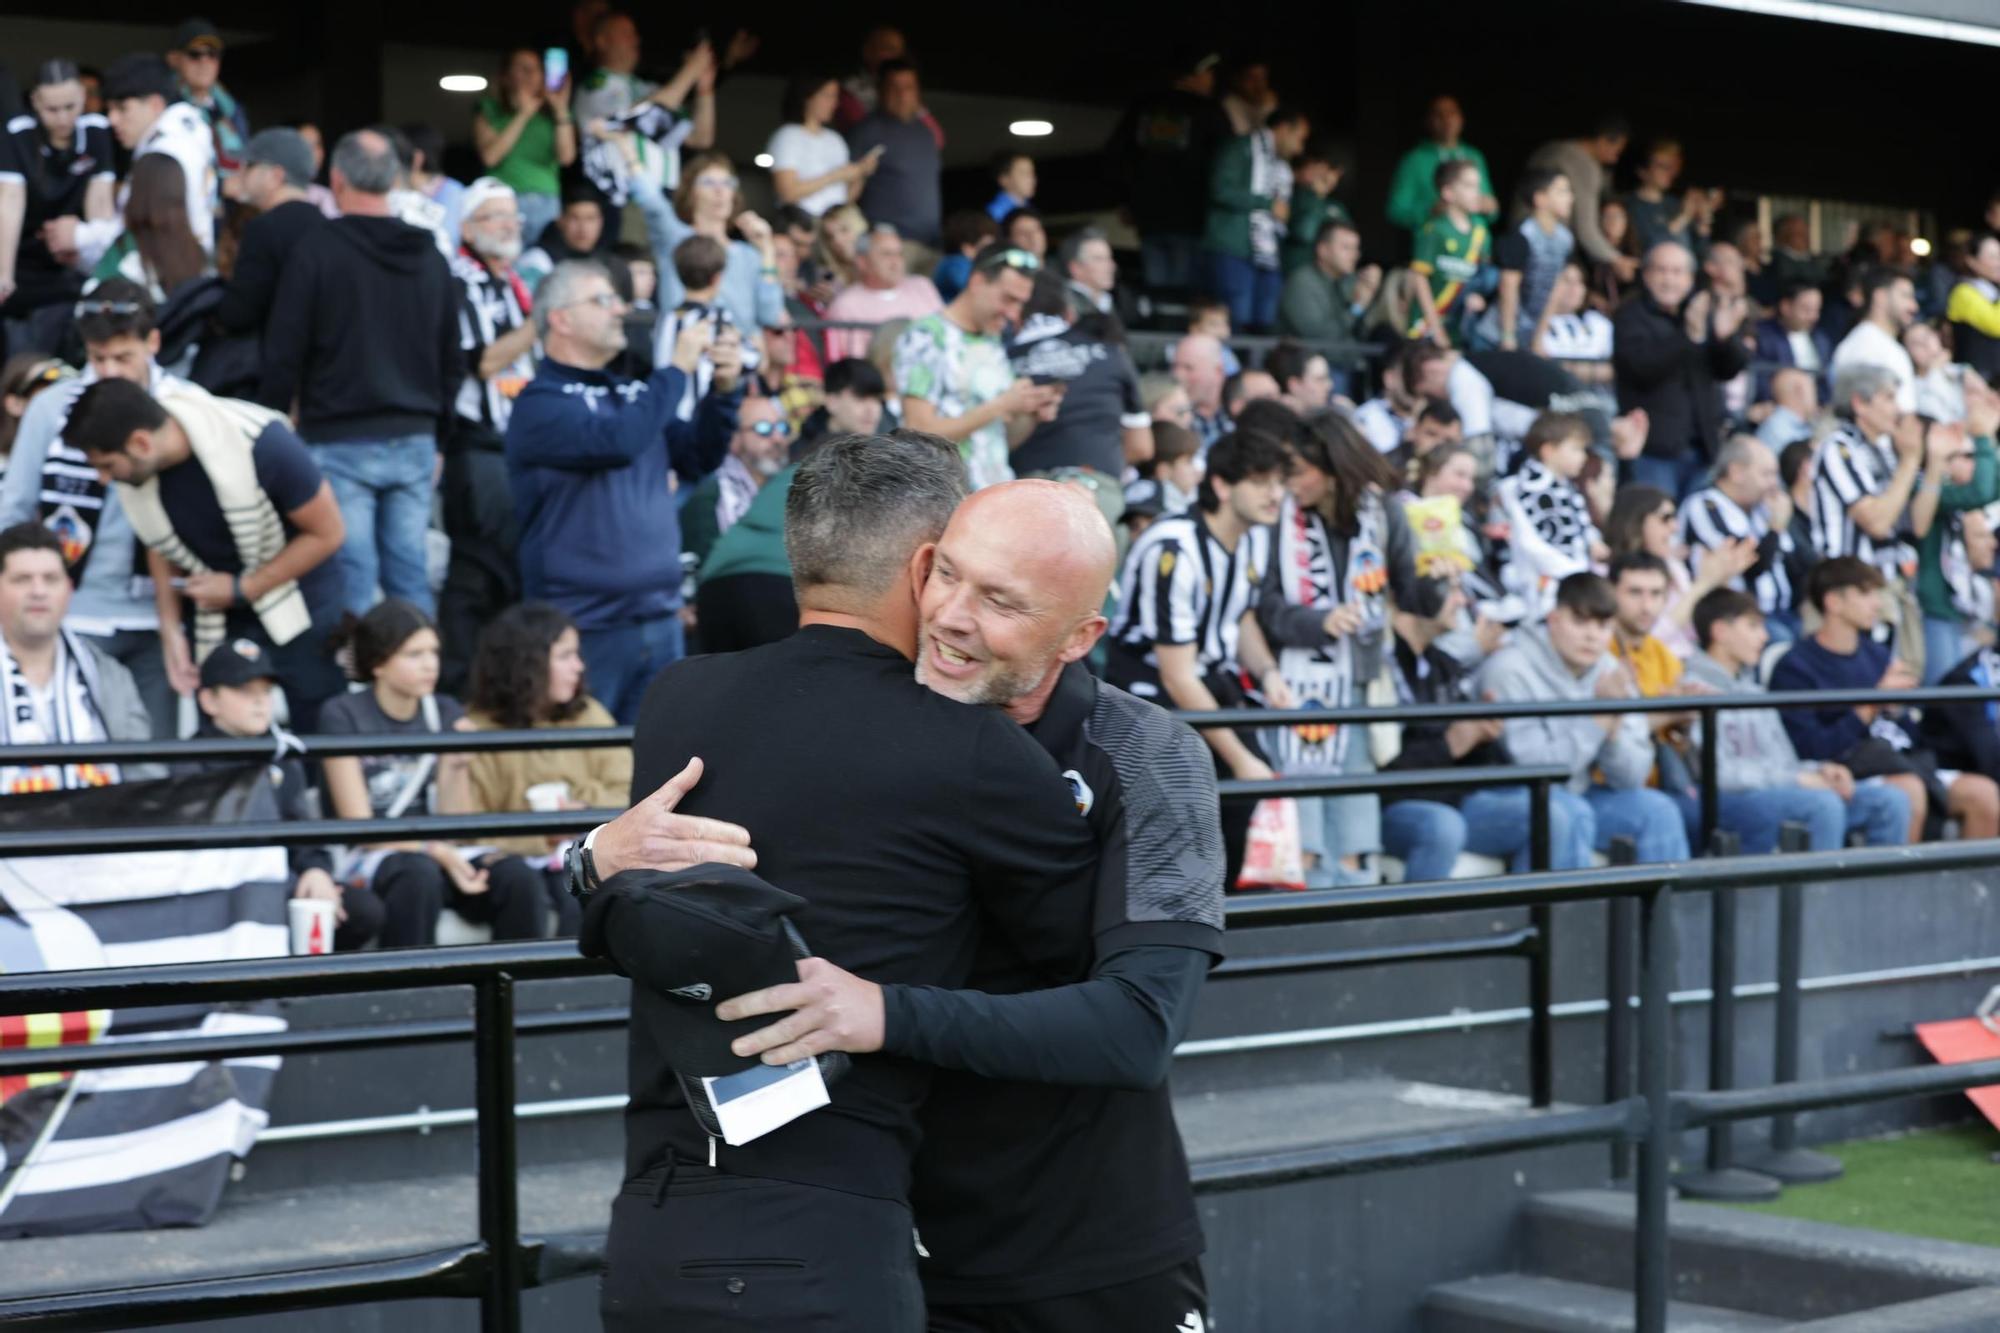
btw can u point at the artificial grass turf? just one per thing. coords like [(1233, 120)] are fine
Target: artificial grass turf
[(1943, 1184)]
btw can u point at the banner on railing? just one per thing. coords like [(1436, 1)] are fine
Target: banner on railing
[(147, 1145)]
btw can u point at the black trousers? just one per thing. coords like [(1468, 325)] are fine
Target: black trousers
[(695, 1250), (413, 889), (1175, 1301), (1236, 816), (744, 611)]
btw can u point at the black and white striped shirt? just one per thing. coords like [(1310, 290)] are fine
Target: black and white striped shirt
[(1710, 519), (1848, 469), (1181, 585), (491, 309)]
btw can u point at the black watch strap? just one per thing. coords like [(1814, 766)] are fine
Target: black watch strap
[(581, 868)]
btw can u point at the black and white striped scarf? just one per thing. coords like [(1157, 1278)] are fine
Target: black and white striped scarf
[(75, 719)]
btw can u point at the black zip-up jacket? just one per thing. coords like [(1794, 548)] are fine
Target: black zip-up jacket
[(1678, 382), (1441, 680)]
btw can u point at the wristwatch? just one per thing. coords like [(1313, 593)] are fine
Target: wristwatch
[(580, 867)]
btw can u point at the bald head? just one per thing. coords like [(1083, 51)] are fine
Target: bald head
[(1014, 592)]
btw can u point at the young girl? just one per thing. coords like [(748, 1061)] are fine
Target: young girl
[(529, 674), (395, 649), (1551, 530)]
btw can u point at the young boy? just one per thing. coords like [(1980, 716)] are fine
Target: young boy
[(1207, 314), (1014, 174), (1530, 259), (1552, 532), (235, 700), (1450, 257), (1170, 479), (699, 262)]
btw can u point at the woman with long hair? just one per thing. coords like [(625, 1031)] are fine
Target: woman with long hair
[(527, 675), (158, 249), (525, 136), (1645, 518), (834, 255), (809, 160), (709, 202)]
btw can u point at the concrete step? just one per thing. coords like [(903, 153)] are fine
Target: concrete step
[(1525, 1303), (1974, 1311), (1777, 1266)]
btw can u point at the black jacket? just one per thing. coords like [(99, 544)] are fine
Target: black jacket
[(364, 333), (1441, 680), (1678, 382), (288, 780), (268, 240)]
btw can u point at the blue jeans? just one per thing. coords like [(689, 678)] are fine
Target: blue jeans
[(1426, 836), (623, 659), (1168, 261), (1497, 824), (1646, 816), (1945, 646), (384, 489), (1251, 293), (1676, 476), (1878, 810)]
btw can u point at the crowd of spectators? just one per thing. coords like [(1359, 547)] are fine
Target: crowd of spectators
[(394, 438)]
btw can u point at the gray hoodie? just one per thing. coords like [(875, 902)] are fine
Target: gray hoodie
[(1528, 670), (1757, 753)]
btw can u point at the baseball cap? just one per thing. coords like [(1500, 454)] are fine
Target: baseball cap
[(1145, 499), (283, 148), (197, 32), (482, 192), (236, 662)]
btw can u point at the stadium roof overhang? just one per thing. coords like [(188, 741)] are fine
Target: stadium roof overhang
[(1975, 21)]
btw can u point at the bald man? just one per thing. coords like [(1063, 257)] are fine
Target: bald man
[(1051, 1187)]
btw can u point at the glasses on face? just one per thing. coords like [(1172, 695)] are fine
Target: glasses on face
[(85, 309), (1021, 261), (201, 53), (602, 300), (715, 183), (766, 429)]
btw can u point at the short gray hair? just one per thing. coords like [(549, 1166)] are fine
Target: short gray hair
[(559, 289), (368, 161), (1863, 379), (1072, 247), (860, 506), (1736, 449), (865, 241)]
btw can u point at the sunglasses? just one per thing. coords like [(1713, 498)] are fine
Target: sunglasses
[(86, 309), (1021, 261), (201, 53), (766, 429)]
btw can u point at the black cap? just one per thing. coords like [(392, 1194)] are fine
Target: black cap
[(236, 662), (197, 32), (139, 75), (1144, 499)]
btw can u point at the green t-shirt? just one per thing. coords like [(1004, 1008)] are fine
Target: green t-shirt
[(530, 166), (1448, 257)]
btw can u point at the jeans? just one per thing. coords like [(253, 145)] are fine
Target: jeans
[(1251, 293), (383, 488), (1496, 824), (1168, 261), (1426, 836), (1678, 477), (1945, 646), (623, 659), (1878, 810), (537, 212), (1646, 816)]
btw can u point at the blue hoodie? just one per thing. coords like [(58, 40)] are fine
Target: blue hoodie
[(588, 453)]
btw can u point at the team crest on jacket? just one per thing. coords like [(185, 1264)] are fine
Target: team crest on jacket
[(1080, 791)]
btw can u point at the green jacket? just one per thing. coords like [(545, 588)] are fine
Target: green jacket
[(1412, 194), (1933, 590), (1310, 212), (756, 544), (1317, 307), (1230, 200)]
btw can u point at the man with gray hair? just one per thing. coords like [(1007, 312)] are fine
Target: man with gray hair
[(886, 290), (1742, 520), (588, 454), (1866, 471), (363, 340), (1672, 351), (1091, 272), (277, 168)]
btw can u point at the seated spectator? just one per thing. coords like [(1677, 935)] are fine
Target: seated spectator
[(1672, 352), (1014, 176), (1580, 340), (1961, 478), (1869, 739), (1100, 427), (809, 162), (55, 162), (1609, 755), (1023, 229), (1249, 185), (1640, 582), (1745, 509), (180, 462), (709, 203), (1418, 374), (1791, 336), (1645, 521), (1209, 316), (1865, 473), (1316, 175), (277, 168), (61, 688), (528, 675), (789, 374), (1530, 257), (158, 249), (851, 405), (1165, 400), (758, 451), (577, 232), (1974, 309), (1794, 409), (1428, 831), (1552, 533), (952, 372), (966, 233), (1452, 469), (526, 136), (1198, 369), (589, 453), (1170, 480), (1323, 300), (1611, 281), (833, 253), (1657, 216), (395, 650), (1091, 271), (22, 380), (1941, 385), (1245, 387), (1304, 383), (1763, 782), (885, 290), (1452, 263), (1889, 306), (1792, 259)]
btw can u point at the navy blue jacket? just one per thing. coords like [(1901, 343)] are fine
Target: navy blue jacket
[(1775, 346), (1827, 733), (588, 453)]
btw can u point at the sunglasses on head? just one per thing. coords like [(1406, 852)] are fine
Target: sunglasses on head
[(85, 309), (1021, 261), (766, 429)]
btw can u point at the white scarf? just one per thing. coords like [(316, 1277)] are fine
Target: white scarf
[(1269, 178), (76, 720), (222, 432), (1323, 677)]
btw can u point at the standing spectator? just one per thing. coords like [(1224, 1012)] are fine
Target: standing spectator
[(321, 196), (904, 189), (1531, 257), (1023, 230), (1014, 179), (1250, 99), (371, 406), (427, 177), (635, 125), (1165, 140), (1671, 352), (1791, 336), (1578, 339), (1451, 268), (1587, 163), (758, 451), (1609, 286), (1100, 426), (276, 168), (966, 233), (55, 162), (1792, 259), (1552, 531), (860, 92), (196, 58), (1198, 369), (707, 204), (578, 232), (145, 117), (1091, 271), (158, 248), (528, 675), (1315, 176), (1763, 782), (1305, 384), (589, 454), (526, 136), (1889, 306), (395, 649), (886, 290), (1974, 308), (1746, 503), (1866, 471), (1657, 216), (1609, 754), (952, 373), (242, 529), (809, 162), (851, 405), (1249, 192), (1413, 189), (1938, 511)]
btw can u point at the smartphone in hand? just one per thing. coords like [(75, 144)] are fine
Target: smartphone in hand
[(555, 67)]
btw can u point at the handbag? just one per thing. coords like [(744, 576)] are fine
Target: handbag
[(1274, 856)]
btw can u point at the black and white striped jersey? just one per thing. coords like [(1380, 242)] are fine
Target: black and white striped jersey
[(1709, 519), (489, 308), (1847, 470), (1182, 585)]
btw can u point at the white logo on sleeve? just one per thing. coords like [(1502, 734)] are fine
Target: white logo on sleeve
[(1194, 1323), (1085, 797)]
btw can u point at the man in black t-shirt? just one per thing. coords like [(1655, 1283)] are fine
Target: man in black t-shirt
[(55, 162), (1100, 422)]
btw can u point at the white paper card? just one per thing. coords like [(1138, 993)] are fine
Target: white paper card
[(751, 1104)]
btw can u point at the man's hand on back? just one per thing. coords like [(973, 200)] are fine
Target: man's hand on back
[(828, 1010), (650, 836)]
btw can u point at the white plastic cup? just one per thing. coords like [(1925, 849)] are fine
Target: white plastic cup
[(545, 797), (312, 925)]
